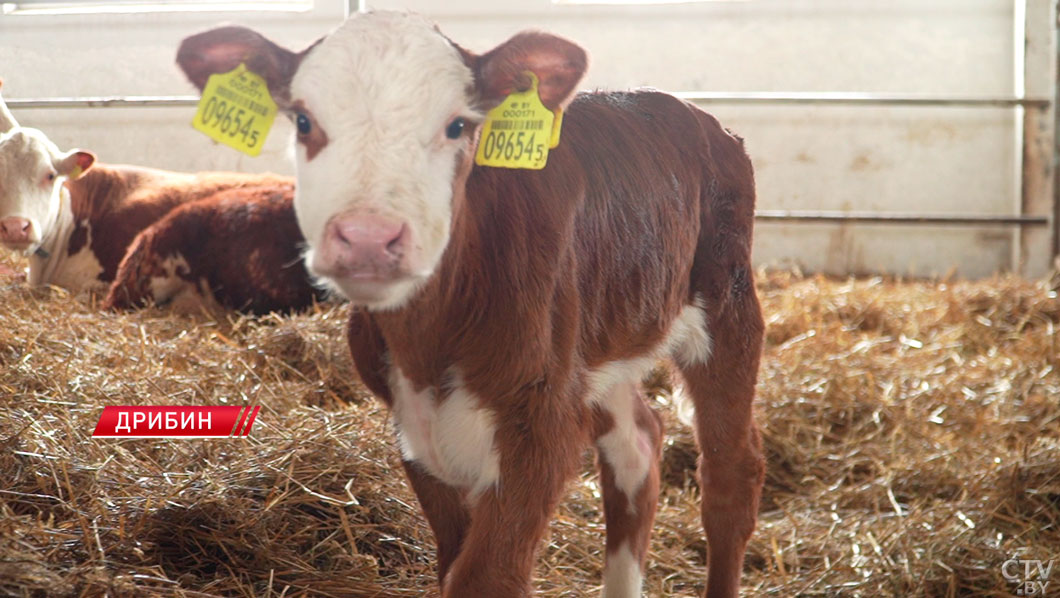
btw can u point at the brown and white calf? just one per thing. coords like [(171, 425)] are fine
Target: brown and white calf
[(76, 217), (239, 249), (507, 316)]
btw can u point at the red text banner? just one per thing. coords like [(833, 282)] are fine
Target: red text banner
[(126, 421)]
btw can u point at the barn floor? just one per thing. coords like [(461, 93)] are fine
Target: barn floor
[(912, 432)]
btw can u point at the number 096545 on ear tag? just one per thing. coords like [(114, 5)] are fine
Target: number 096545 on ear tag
[(236, 110), (519, 131)]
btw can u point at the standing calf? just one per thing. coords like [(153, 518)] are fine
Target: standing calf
[(239, 249), (508, 315)]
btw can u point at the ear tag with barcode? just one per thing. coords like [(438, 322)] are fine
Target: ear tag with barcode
[(236, 110), (518, 132), (556, 124)]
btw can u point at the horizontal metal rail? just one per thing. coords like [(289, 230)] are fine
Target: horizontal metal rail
[(775, 98), (898, 218), (763, 97), (104, 102), (857, 99)]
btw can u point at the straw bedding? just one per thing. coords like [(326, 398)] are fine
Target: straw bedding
[(912, 433)]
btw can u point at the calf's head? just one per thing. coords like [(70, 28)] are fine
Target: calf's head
[(32, 171), (387, 112)]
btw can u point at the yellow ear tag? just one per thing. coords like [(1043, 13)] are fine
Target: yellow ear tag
[(76, 172), (518, 132), (236, 110), (556, 124)]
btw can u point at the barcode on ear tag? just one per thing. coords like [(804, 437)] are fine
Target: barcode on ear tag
[(518, 132), (236, 110)]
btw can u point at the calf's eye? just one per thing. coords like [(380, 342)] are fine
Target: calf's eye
[(455, 128), (304, 125)]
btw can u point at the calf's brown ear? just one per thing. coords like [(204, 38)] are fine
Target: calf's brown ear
[(224, 48), (75, 162), (559, 65)]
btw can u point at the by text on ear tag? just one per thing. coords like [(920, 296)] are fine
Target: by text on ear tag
[(517, 132), (236, 110)]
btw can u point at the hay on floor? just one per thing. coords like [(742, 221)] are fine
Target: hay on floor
[(912, 432)]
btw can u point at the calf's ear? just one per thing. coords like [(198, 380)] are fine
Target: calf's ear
[(559, 65), (224, 48), (7, 120), (75, 162)]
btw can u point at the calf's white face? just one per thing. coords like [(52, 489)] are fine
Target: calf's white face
[(387, 111), (32, 171), (374, 200)]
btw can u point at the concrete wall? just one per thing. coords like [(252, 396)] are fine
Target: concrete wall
[(939, 160)]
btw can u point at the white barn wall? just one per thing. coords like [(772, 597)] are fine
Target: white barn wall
[(950, 160)]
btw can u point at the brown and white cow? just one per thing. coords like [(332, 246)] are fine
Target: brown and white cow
[(239, 249), (76, 217), (506, 316)]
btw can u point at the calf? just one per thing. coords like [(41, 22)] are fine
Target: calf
[(76, 217), (240, 249), (507, 315)]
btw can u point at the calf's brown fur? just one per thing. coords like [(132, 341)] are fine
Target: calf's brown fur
[(240, 248)]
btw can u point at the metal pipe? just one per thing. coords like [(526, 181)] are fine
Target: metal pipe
[(105, 102), (857, 99), (898, 218), (1056, 162), (821, 98)]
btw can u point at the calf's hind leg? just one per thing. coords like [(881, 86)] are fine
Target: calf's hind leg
[(731, 466), (629, 440)]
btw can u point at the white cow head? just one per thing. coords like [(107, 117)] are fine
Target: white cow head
[(387, 112), (32, 171)]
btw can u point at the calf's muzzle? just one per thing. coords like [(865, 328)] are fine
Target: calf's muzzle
[(16, 232), (363, 246)]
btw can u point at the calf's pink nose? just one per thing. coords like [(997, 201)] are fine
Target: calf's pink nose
[(15, 230), (365, 244)]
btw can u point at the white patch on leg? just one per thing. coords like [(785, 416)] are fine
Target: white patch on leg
[(622, 575), (452, 439), (627, 448), (603, 380), (691, 342), (693, 348), (166, 287), (686, 409), (613, 387)]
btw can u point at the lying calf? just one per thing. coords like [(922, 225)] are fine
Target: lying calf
[(75, 217), (240, 249)]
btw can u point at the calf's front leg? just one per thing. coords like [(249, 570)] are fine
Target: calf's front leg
[(508, 519)]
